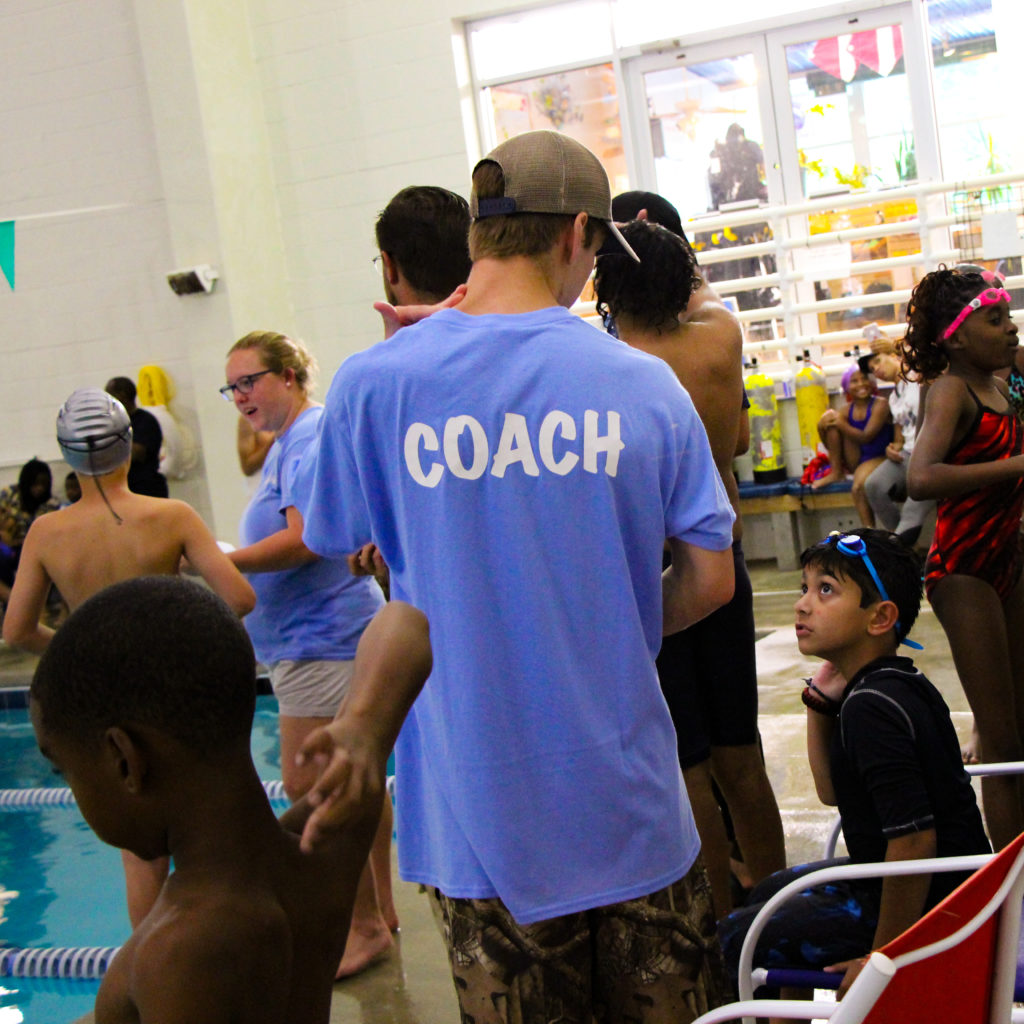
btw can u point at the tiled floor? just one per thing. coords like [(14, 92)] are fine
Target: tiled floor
[(412, 986)]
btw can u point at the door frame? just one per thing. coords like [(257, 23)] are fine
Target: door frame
[(782, 172)]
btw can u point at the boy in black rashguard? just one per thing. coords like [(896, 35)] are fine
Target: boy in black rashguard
[(882, 747)]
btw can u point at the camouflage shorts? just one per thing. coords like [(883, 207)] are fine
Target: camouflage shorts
[(645, 961)]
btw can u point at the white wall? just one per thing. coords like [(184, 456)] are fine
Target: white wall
[(262, 136), (90, 299)]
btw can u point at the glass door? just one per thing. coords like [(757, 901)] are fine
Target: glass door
[(712, 148), (848, 122), (796, 114)]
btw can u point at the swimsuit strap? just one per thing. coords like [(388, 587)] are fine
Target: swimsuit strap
[(977, 400)]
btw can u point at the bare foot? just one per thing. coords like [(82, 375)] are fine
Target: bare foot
[(364, 948), (969, 752), (829, 478)]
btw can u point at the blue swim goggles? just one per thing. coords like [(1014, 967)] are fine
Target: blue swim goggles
[(853, 546)]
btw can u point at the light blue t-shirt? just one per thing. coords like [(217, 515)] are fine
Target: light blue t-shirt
[(520, 475), (319, 610)]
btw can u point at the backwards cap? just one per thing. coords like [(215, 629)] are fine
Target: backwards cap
[(547, 172), (94, 432)]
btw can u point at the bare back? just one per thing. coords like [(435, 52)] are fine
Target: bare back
[(86, 548), (705, 353), (256, 936)]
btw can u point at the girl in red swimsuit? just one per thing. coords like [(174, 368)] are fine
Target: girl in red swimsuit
[(968, 456)]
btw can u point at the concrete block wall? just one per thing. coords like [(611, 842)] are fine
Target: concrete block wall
[(79, 176), (362, 99), (262, 136)]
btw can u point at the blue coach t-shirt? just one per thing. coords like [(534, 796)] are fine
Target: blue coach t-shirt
[(319, 610), (520, 475)]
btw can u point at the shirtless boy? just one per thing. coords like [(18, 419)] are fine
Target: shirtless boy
[(110, 534), (144, 702)]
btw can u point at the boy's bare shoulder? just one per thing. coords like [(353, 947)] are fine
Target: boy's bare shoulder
[(212, 955)]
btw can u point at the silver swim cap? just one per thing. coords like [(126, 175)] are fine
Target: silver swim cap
[(94, 432)]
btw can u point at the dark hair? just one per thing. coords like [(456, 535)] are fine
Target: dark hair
[(935, 303), (516, 234), (157, 651), (653, 291), (30, 472), (425, 230), (898, 567), (626, 205), (121, 386)]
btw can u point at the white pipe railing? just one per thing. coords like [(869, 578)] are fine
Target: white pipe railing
[(790, 312)]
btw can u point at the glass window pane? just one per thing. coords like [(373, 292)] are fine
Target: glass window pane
[(583, 104), (975, 137), (851, 111), (516, 44), (641, 21), (706, 131)]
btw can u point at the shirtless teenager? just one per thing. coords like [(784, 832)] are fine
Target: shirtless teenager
[(111, 534), (144, 701)]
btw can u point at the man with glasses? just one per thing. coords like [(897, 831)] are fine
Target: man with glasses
[(520, 472), (423, 238)]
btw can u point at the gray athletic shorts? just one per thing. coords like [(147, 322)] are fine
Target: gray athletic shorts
[(310, 689)]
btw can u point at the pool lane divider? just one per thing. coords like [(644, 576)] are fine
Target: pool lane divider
[(83, 963), (61, 796)]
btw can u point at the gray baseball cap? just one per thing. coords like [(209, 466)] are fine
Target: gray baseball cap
[(548, 172)]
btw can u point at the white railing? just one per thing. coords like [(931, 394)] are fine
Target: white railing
[(793, 321)]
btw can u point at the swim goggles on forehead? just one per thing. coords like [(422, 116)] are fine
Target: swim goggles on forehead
[(852, 546), (989, 297)]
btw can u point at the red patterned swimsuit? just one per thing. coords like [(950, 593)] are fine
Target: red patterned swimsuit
[(976, 533)]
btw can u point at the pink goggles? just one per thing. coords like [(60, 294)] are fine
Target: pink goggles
[(989, 297)]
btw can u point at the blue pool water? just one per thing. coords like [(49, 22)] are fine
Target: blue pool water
[(67, 886)]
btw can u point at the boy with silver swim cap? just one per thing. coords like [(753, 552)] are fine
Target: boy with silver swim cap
[(111, 534), (94, 432)]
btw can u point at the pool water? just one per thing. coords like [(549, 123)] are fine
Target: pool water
[(59, 885)]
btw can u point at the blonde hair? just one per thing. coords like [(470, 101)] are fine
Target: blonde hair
[(280, 353)]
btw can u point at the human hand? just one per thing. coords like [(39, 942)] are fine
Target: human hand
[(396, 317), (367, 561), (829, 681), (894, 453), (883, 346), (851, 968), (350, 783)]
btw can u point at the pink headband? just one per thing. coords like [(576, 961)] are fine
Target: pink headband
[(989, 297)]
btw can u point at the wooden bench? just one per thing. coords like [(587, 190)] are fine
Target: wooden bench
[(788, 503)]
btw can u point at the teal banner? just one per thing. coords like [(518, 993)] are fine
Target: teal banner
[(7, 250)]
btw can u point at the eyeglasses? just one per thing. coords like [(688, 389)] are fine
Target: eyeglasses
[(989, 297), (376, 259), (243, 385), (854, 547)]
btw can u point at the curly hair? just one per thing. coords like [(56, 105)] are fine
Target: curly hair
[(934, 304), (655, 290)]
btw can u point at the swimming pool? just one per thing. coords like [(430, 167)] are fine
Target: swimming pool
[(59, 885)]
